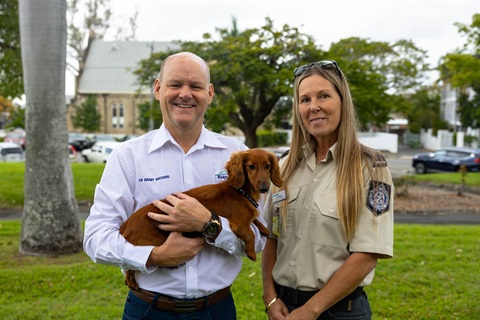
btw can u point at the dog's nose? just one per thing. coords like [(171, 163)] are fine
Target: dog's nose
[(264, 186)]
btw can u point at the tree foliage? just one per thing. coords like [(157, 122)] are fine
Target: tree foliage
[(252, 71), (144, 112), (462, 70), (380, 74), (424, 112), (86, 116), (90, 20), (17, 117), (11, 73)]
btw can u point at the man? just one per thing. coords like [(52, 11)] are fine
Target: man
[(183, 275)]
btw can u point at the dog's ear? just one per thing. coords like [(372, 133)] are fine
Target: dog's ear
[(275, 170), (234, 166)]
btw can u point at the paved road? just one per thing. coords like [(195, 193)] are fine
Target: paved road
[(461, 218)]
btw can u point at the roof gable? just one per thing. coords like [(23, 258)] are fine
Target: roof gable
[(110, 64)]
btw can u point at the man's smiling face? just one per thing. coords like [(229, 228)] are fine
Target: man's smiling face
[(184, 92)]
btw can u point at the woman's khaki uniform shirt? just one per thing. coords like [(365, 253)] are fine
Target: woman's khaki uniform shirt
[(313, 245)]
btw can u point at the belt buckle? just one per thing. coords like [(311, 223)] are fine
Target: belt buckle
[(185, 306)]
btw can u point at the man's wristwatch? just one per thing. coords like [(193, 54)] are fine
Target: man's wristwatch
[(212, 228)]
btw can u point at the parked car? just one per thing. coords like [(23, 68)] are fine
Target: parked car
[(72, 153), (103, 137), (100, 151), (447, 159), (11, 152), (79, 141), (16, 136)]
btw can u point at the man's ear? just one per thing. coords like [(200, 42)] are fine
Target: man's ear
[(156, 89), (211, 93)]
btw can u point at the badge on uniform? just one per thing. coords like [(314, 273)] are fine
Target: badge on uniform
[(277, 199), (378, 199)]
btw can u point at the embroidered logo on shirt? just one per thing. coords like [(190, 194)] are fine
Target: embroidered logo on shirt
[(222, 175), (378, 199), (147, 179)]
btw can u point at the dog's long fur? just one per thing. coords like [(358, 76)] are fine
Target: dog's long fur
[(250, 170)]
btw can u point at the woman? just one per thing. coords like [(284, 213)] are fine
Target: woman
[(334, 216)]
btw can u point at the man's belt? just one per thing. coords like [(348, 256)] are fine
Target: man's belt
[(181, 306)]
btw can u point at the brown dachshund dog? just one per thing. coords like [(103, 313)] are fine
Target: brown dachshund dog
[(249, 175)]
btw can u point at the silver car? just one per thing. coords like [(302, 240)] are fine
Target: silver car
[(11, 152)]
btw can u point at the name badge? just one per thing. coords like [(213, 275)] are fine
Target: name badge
[(279, 196)]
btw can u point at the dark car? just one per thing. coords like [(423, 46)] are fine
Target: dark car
[(447, 159), (79, 141)]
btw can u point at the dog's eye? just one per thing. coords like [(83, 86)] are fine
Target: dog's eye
[(251, 167), (268, 166)]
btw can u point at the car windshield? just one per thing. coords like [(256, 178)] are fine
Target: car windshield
[(11, 151), (15, 135)]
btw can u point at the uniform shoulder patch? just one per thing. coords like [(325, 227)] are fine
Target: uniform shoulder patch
[(378, 197)]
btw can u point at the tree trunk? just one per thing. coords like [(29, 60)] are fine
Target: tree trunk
[(250, 137), (51, 225)]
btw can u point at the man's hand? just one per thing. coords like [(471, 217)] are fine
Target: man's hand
[(175, 251), (184, 214)]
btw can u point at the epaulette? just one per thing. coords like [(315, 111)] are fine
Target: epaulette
[(378, 159)]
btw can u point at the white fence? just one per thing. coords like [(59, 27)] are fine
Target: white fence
[(380, 141)]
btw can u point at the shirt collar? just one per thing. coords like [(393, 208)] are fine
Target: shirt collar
[(207, 138), (310, 157)]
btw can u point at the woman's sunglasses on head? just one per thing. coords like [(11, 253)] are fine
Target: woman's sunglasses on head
[(324, 64)]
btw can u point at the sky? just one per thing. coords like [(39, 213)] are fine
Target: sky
[(429, 24)]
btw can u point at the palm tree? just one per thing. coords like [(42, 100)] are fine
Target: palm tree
[(51, 225)]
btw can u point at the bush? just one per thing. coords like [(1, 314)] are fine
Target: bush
[(271, 138)]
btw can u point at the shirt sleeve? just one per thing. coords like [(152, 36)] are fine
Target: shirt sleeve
[(228, 241), (376, 219), (113, 203)]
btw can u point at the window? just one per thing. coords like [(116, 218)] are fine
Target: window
[(114, 116), (118, 118)]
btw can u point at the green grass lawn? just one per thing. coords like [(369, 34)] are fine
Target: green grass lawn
[(87, 175), (434, 275)]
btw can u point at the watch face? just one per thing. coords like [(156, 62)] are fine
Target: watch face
[(211, 229)]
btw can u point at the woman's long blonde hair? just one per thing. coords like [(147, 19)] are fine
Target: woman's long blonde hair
[(350, 154)]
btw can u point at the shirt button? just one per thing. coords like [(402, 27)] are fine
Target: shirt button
[(331, 210), (292, 263), (300, 236), (191, 268), (315, 180), (307, 207)]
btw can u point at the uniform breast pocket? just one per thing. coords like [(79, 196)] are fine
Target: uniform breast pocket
[(292, 202), (325, 228)]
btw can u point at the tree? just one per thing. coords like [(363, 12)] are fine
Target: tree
[(11, 77), (50, 225), (250, 70), (87, 116), (380, 74), (17, 117), (144, 111), (469, 107), (424, 110), (462, 70), (94, 24)]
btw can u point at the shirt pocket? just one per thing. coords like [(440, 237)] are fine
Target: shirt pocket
[(292, 197), (325, 228)]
